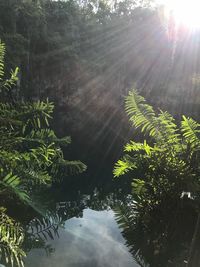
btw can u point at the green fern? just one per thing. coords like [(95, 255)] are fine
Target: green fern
[(123, 166), (46, 136), (169, 165), (35, 177), (126, 216), (141, 114), (2, 55), (30, 157), (191, 130), (12, 183), (161, 127), (11, 239), (133, 146), (8, 83), (44, 227), (168, 129), (65, 168)]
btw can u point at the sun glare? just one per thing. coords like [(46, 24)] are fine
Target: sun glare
[(186, 12)]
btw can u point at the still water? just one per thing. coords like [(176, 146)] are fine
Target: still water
[(95, 239), (95, 226)]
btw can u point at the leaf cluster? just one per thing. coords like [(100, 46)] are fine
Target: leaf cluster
[(30, 157), (167, 165), (11, 239)]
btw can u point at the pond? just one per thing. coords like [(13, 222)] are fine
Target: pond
[(93, 240), (91, 225), (80, 229)]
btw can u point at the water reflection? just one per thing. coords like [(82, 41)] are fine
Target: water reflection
[(105, 230), (161, 238), (92, 240)]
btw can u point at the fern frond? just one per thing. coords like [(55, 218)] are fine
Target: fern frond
[(168, 128), (123, 166), (35, 177), (136, 147), (35, 114), (74, 166), (9, 83), (2, 55), (126, 217), (43, 154), (12, 183), (138, 186), (68, 167), (11, 239), (44, 227), (141, 114), (191, 130), (46, 136)]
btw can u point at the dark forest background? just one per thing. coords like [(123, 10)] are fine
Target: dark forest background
[(86, 55)]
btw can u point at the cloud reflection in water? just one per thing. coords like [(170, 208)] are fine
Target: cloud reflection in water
[(92, 241)]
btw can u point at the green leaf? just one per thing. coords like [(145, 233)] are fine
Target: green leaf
[(123, 166)]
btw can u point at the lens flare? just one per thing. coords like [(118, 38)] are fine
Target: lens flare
[(184, 12)]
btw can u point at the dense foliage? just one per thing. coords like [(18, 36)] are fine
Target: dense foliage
[(162, 238), (30, 157), (167, 165), (164, 170), (84, 56)]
